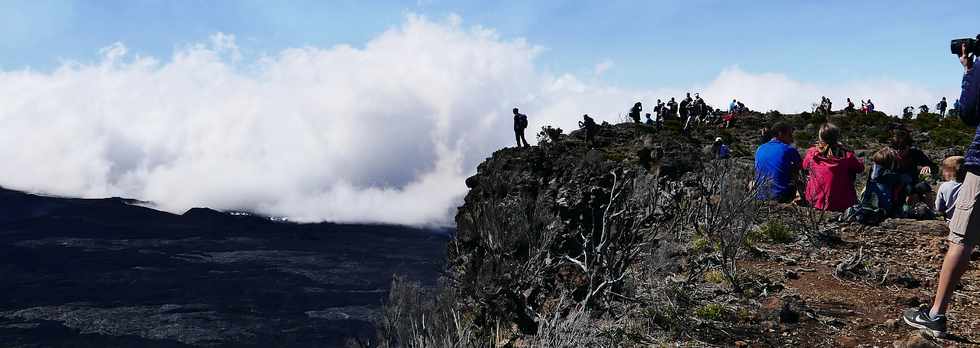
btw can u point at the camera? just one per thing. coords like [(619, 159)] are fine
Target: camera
[(955, 46)]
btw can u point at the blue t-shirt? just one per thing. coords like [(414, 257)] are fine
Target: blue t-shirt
[(774, 162), (723, 151)]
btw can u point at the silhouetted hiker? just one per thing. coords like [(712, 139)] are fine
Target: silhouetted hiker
[(659, 109), (686, 106), (672, 107), (832, 171), (964, 227), (635, 112), (871, 106), (942, 107), (520, 123), (777, 165), (733, 106), (850, 106), (590, 127), (907, 112), (700, 107), (650, 121)]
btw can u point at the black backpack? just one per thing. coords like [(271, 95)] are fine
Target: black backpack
[(866, 211)]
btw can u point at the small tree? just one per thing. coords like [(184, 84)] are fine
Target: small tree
[(634, 216), (724, 209)]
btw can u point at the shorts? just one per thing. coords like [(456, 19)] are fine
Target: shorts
[(964, 226)]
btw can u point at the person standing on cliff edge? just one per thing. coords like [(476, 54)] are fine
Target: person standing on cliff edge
[(520, 123), (964, 226)]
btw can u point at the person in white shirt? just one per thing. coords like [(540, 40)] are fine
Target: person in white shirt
[(953, 173)]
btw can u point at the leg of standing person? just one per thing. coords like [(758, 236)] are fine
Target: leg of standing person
[(523, 139), (964, 232)]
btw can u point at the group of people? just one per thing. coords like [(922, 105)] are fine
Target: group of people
[(824, 177), (690, 110), (826, 106), (909, 111), (830, 172), (867, 107)]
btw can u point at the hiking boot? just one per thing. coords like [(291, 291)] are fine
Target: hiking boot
[(920, 319)]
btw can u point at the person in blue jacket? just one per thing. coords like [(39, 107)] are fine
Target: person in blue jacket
[(964, 226), (777, 165)]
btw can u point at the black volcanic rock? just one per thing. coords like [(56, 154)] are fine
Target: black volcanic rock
[(104, 272)]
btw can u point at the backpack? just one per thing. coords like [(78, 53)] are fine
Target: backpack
[(522, 121), (866, 211)]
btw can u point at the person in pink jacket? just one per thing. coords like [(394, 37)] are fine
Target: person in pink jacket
[(832, 171)]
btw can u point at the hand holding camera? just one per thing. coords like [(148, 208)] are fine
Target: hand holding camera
[(966, 49)]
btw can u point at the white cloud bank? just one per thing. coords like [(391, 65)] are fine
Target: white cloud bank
[(384, 133)]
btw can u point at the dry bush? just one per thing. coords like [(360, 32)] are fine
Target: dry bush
[(818, 227), (520, 273), (634, 216), (724, 209), (414, 317)]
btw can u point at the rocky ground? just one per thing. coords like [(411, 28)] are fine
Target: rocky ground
[(109, 273), (848, 290), (815, 305)]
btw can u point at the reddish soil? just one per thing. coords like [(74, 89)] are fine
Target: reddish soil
[(864, 311)]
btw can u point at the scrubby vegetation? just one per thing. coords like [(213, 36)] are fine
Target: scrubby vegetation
[(640, 242)]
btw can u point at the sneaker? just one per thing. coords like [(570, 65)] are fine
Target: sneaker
[(920, 319)]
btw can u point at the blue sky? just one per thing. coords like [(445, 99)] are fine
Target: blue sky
[(651, 43), (265, 106)]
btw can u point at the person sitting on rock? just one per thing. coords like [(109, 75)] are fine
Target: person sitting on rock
[(777, 164), (953, 173), (832, 171), (850, 106), (650, 121), (520, 123), (590, 127), (870, 106), (719, 149), (897, 179), (728, 119)]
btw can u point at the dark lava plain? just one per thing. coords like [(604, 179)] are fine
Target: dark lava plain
[(108, 272)]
